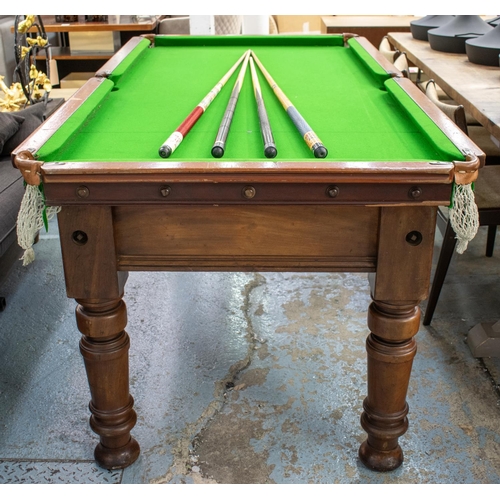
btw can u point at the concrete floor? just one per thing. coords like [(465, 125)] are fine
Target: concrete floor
[(246, 378)]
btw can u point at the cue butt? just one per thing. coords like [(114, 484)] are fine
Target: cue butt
[(165, 151), (270, 151), (218, 151), (319, 151)]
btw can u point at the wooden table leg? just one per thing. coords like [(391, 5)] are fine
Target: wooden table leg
[(92, 278), (391, 349), (406, 242), (104, 347)]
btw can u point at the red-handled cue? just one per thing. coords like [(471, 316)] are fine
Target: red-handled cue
[(171, 144)]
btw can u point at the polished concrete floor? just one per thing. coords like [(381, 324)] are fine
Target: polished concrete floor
[(246, 378)]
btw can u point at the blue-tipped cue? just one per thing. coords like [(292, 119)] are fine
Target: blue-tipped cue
[(309, 136)]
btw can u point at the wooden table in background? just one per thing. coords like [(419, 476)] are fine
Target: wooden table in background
[(114, 23), (372, 27), (475, 86)]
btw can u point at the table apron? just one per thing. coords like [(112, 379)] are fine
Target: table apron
[(97, 241), (245, 237), (166, 193)]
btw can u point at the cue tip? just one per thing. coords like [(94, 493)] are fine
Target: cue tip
[(270, 152), (217, 152), (165, 151), (320, 151)]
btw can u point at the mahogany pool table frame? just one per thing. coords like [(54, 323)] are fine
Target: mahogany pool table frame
[(377, 218)]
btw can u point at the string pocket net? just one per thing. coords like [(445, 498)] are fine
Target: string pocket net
[(464, 215), (33, 215)]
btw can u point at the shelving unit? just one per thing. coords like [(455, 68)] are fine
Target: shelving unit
[(117, 31)]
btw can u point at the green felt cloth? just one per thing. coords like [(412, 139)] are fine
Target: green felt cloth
[(339, 91)]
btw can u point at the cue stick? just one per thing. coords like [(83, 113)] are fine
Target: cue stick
[(171, 144), (220, 139), (270, 150), (309, 136)]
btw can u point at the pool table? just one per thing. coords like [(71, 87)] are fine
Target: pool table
[(369, 206)]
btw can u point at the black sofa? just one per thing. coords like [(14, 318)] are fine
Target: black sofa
[(15, 128), (11, 193)]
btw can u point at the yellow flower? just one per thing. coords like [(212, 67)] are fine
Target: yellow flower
[(40, 78), (2, 84), (13, 97), (24, 26), (33, 72), (40, 41), (17, 87)]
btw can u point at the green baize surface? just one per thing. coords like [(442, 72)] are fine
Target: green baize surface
[(344, 95)]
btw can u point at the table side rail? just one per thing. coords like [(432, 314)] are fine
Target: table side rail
[(109, 66), (24, 156), (462, 142), (251, 182), (29, 148), (386, 65)]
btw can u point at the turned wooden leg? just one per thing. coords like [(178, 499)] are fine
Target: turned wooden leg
[(92, 278), (401, 282), (104, 347), (391, 349)]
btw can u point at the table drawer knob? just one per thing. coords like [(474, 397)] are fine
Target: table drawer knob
[(82, 191), (333, 191), (249, 192), (415, 192), (165, 191)]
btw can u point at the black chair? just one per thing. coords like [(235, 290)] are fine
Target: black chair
[(401, 63), (387, 51), (486, 192)]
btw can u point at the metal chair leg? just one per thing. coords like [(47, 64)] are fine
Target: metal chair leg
[(490, 241)]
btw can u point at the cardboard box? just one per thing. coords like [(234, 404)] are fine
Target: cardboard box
[(65, 94), (299, 24), (75, 80), (94, 42)]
